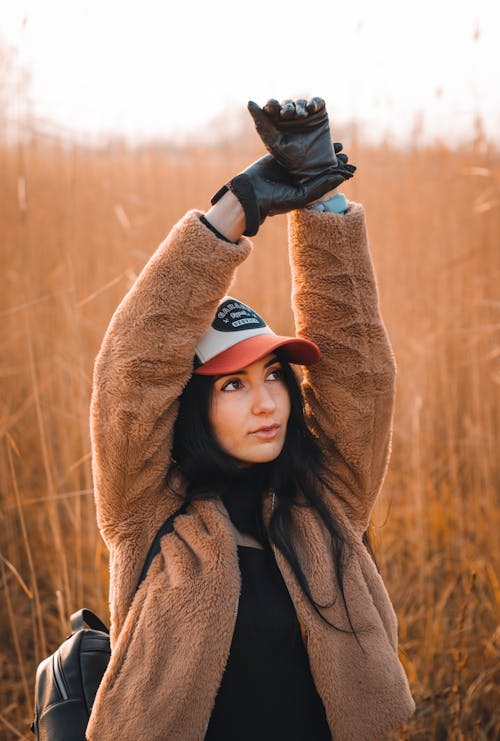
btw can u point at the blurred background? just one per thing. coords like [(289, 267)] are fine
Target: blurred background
[(116, 118)]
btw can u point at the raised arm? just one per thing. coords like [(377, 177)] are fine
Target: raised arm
[(145, 360), (350, 392)]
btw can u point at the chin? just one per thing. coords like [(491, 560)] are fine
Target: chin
[(261, 456)]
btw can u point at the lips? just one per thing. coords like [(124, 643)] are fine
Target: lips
[(268, 431)]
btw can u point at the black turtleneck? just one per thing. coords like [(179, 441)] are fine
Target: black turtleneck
[(242, 498), (267, 691)]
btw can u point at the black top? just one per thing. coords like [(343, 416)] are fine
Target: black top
[(267, 691)]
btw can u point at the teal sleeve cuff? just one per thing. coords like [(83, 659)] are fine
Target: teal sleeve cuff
[(337, 204)]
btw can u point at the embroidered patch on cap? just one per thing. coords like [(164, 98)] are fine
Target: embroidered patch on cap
[(233, 316)]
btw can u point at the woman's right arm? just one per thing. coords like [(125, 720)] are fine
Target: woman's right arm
[(144, 362)]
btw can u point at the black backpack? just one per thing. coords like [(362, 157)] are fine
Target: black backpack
[(67, 681)]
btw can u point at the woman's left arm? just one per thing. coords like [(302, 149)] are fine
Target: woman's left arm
[(350, 393)]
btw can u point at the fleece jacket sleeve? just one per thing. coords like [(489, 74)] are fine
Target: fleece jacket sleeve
[(350, 392), (144, 362)]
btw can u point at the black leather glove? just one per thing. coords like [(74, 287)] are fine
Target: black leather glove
[(266, 189), (297, 134)]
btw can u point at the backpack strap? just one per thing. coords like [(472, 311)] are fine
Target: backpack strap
[(167, 527), (88, 617), (84, 615)]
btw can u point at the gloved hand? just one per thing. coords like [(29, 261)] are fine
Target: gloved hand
[(297, 134), (266, 189)]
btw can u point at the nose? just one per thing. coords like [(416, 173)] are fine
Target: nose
[(263, 401)]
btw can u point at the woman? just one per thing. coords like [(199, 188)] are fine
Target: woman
[(263, 616)]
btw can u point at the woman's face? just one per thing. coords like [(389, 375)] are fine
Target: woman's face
[(250, 410)]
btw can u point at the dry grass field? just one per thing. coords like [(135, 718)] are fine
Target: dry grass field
[(77, 225)]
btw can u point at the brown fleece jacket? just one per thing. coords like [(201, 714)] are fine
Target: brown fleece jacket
[(170, 642)]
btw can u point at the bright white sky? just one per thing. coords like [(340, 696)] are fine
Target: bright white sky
[(166, 68)]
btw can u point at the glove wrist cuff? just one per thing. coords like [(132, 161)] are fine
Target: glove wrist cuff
[(242, 187), (222, 191)]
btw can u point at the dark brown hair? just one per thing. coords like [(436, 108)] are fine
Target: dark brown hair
[(208, 470)]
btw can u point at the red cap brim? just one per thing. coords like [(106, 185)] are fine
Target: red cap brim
[(246, 352)]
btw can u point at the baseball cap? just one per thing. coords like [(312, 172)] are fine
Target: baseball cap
[(238, 337)]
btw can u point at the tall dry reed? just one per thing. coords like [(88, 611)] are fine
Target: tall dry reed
[(77, 224)]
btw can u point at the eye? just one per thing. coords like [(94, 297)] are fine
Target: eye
[(276, 374), (232, 385)]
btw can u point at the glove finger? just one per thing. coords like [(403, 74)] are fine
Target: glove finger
[(320, 185), (343, 166), (273, 109), (263, 124), (315, 104), (288, 110), (341, 171), (338, 147), (300, 108)]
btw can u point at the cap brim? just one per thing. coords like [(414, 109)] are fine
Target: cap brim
[(246, 352)]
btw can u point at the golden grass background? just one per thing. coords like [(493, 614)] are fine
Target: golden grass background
[(77, 224)]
